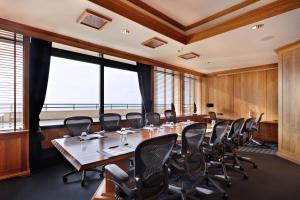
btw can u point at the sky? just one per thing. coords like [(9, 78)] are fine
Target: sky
[(78, 82)]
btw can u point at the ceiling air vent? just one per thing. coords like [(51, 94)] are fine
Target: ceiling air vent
[(190, 55), (154, 42), (92, 19)]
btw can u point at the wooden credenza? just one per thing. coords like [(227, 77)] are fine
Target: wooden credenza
[(289, 101), (14, 156)]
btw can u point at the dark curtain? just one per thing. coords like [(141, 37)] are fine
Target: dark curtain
[(39, 64), (144, 75)]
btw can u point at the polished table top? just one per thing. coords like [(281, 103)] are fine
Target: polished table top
[(92, 153)]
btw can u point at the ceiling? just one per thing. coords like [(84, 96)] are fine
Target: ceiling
[(241, 47), (190, 11)]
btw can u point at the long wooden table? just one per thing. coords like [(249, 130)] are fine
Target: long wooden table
[(89, 154)]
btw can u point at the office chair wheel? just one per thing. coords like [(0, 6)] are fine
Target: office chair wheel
[(228, 184), (245, 177), (83, 183), (65, 179), (225, 196)]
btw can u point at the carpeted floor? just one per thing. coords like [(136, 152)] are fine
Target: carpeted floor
[(274, 179)]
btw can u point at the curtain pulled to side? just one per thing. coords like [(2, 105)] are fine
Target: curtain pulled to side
[(39, 64), (144, 76)]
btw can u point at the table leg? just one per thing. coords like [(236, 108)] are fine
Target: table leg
[(106, 189)]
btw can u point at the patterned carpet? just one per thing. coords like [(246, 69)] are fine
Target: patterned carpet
[(272, 150)]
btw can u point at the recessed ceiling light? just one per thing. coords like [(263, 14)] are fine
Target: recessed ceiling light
[(256, 27), (125, 31)]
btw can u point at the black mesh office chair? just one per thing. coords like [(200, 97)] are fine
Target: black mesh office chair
[(232, 145), (152, 118), (255, 128), (110, 121), (215, 150), (213, 116), (76, 125), (170, 116), (135, 120), (245, 136), (189, 169), (150, 178)]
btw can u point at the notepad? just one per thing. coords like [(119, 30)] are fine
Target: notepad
[(91, 136), (118, 150), (126, 132)]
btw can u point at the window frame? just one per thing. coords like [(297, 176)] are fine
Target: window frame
[(100, 61), (25, 81)]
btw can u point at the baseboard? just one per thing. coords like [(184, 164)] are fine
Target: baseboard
[(295, 158), (16, 174)]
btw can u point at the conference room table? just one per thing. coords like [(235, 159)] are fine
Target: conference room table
[(113, 148)]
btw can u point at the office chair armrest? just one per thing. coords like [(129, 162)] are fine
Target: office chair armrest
[(117, 173)]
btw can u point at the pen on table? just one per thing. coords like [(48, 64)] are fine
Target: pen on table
[(116, 146)]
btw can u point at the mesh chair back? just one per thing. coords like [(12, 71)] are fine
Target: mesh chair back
[(150, 169), (135, 120), (192, 138), (153, 118), (212, 116), (247, 125), (78, 124), (170, 116), (260, 118), (256, 124), (236, 128), (218, 133), (110, 121)]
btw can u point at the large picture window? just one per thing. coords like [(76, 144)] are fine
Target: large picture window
[(73, 89), (81, 84), (11, 80), (121, 91)]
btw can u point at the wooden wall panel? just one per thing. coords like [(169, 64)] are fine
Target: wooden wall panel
[(224, 94), (272, 95), (236, 95), (250, 93), (14, 160), (289, 102)]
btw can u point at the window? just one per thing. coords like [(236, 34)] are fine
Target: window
[(189, 94), (73, 89), (11, 80), (163, 89), (121, 91), (192, 94)]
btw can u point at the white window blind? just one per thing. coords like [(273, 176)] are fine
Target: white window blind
[(189, 94), (11, 80), (163, 89)]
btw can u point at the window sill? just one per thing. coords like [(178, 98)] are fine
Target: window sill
[(61, 125), (10, 132)]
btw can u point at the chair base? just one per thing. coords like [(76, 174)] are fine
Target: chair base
[(190, 194), (253, 142), (83, 175)]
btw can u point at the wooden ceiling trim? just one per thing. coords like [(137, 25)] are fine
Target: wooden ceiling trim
[(58, 38), (244, 70), (221, 14), (264, 12), (125, 10), (157, 13)]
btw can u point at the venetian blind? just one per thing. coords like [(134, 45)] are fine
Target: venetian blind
[(11, 80), (163, 89)]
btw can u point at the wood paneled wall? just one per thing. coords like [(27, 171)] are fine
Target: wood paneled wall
[(14, 154), (289, 102), (235, 95)]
